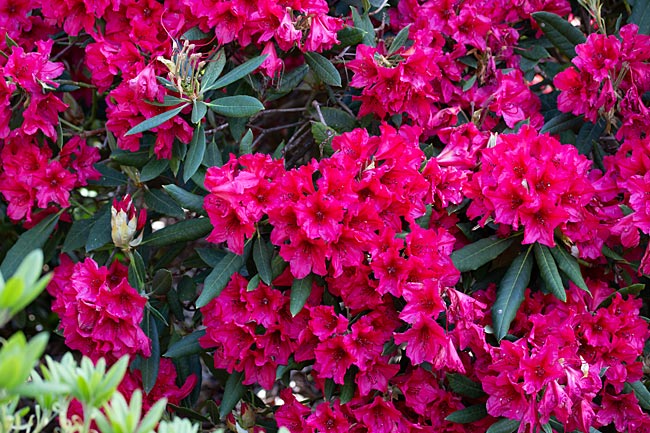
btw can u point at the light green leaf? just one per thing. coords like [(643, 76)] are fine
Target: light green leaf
[(475, 255), (324, 69), (549, 271), (510, 294), (156, 120)]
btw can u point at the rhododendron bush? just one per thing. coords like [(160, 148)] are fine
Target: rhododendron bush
[(345, 216)]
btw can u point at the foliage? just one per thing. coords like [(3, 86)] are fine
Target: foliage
[(344, 216)]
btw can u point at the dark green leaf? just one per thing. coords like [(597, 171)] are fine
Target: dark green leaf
[(465, 386), (161, 282), (569, 266), (349, 386), (156, 120), (504, 426), (188, 345), (187, 200), (475, 255), (199, 110), (262, 253), (133, 159), (154, 168), (194, 34), (137, 271), (349, 36), (324, 69), (561, 122), (214, 69), (400, 40), (195, 153), (560, 32), (364, 24), (110, 177), (640, 15), (160, 202), (278, 265), (588, 135), (211, 257), (77, 235), (511, 292), (100, 232), (633, 289), (236, 106), (642, 394), (288, 82), (212, 157), (232, 393), (182, 231), (246, 143), (149, 366), (549, 271), (300, 291), (468, 414), (218, 278), (32, 239), (338, 119), (239, 72)]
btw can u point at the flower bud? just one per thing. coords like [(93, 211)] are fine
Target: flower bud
[(126, 223)]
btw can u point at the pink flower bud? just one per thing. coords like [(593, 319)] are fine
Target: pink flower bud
[(127, 223)]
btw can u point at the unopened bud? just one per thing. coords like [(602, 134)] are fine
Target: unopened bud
[(127, 224)]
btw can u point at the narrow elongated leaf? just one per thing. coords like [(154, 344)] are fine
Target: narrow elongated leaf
[(133, 159), (560, 32), (185, 199), (569, 266), (182, 231), (288, 82), (150, 366), (300, 291), (32, 239), (633, 290), (262, 253), (324, 69), (475, 255), (465, 386), (160, 202), (511, 292), (561, 122), (110, 177), (214, 69), (195, 153), (468, 414), (77, 235), (156, 120), (246, 143), (100, 231), (154, 168), (589, 134), (186, 346), (137, 271), (239, 72), (549, 271), (349, 385), (348, 36), (199, 110), (642, 394), (400, 40), (236, 106), (232, 393), (640, 15), (218, 278), (504, 426), (363, 23)]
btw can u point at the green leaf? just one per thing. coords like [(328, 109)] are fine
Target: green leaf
[(364, 24), (186, 199), (300, 291), (232, 393), (511, 292), (218, 278), (349, 36), (633, 289), (32, 239), (161, 282), (77, 235), (150, 366), (239, 72), (468, 414), (569, 265), (400, 40), (160, 202), (236, 106), (338, 119), (324, 69), (110, 177), (465, 386), (642, 394), (212, 156), (549, 271), (156, 120), (504, 426), (186, 346), (561, 122), (137, 271), (182, 231), (349, 385), (588, 135), (154, 168), (475, 255), (213, 70), (560, 32), (199, 110), (288, 82), (133, 159), (195, 153), (640, 15), (100, 231), (262, 253)]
